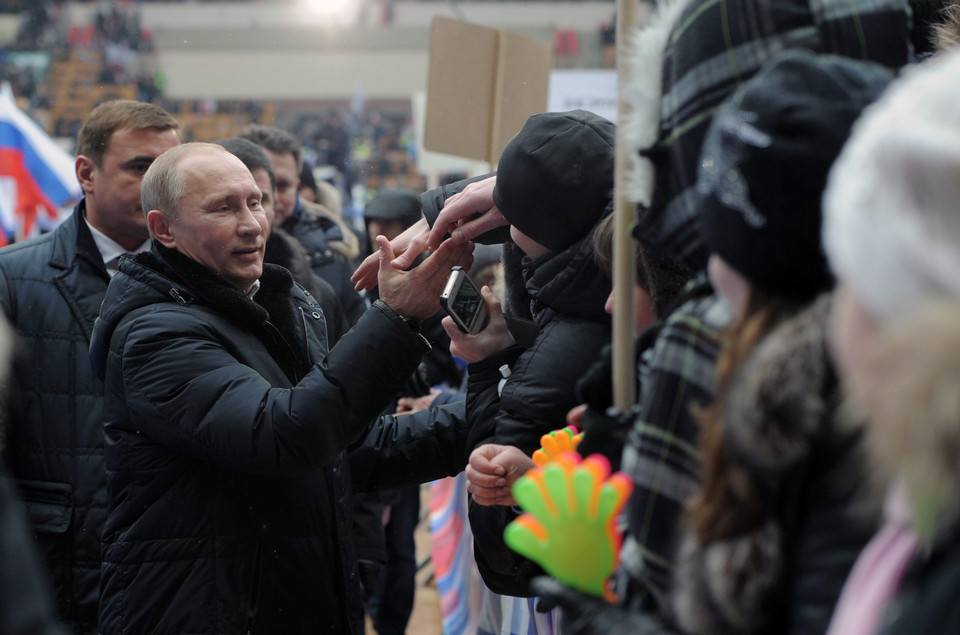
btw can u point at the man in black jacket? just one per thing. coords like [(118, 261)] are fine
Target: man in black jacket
[(51, 288), (227, 418)]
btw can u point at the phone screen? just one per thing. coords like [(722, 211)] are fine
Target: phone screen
[(467, 301), (464, 302)]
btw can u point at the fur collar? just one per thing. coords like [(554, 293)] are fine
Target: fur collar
[(777, 399), (778, 405), (642, 90)]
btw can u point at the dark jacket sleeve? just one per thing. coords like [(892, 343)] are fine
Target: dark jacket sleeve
[(823, 533), (483, 398), (431, 203), (407, 449), (534, 401), (25, 605), (230, 415)]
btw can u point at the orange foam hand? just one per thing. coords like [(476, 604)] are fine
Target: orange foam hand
[(556, 443), (569, 526)]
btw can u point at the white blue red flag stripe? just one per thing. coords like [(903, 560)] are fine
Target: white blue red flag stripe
[(36, 175)]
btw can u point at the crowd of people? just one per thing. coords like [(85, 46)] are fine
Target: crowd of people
[(212, 381)]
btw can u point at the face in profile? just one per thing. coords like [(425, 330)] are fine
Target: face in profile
[(221, 222)]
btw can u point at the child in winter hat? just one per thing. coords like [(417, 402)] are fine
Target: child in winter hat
[(555, 177)]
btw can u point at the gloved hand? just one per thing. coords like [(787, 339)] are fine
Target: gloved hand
[(569, 525), (587, 615), (556, 443)]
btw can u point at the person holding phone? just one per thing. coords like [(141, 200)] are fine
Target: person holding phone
[(553, 186)]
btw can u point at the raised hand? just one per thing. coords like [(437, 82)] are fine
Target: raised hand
[(568, 528), (556, 443), (416, 293), (365, 277), (467, 214)]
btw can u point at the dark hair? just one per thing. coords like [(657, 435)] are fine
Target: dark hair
[(274, 139), (729, 502), (119, 114), (250, 154), (662, 277)]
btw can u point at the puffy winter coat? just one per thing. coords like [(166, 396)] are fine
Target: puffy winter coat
[(51, 288), (567, 293), (226, 420)]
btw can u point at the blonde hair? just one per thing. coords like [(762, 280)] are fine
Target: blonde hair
[(911, 397)]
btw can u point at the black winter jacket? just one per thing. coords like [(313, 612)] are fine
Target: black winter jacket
[(51, 288), (25, 607), (567, 293), (226, 421)]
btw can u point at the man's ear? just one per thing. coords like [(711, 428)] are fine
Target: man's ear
[(159, 225), (85, 167)]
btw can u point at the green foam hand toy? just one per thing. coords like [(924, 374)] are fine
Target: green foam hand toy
[(569, 525), (556, 443)]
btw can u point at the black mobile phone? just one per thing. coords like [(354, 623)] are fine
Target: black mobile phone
[(462, 300)]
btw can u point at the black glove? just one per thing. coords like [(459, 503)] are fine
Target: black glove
[(587, 615), (595, 388), (605, 432)]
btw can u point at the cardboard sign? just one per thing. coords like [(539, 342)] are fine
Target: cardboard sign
[(482, 87)]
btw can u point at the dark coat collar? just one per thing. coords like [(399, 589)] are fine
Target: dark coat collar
[(272, 304)]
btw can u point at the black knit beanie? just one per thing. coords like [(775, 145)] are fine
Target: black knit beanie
[(394, 204), (555, 178), (765, 161)]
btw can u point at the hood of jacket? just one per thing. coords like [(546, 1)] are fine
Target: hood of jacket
[(681, 67), (569, 283), (167, 276)]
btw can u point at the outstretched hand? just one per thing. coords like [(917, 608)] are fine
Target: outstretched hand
[(467, 214), (568, 528), (416, 293), (365, 277), (491, 472)]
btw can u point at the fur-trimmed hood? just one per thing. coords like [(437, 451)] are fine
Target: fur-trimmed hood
[(681, 66)]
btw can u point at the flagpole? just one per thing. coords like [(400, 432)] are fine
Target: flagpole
[(624, 247)]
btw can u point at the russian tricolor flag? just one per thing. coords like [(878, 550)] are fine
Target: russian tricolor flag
[(36, 175)]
